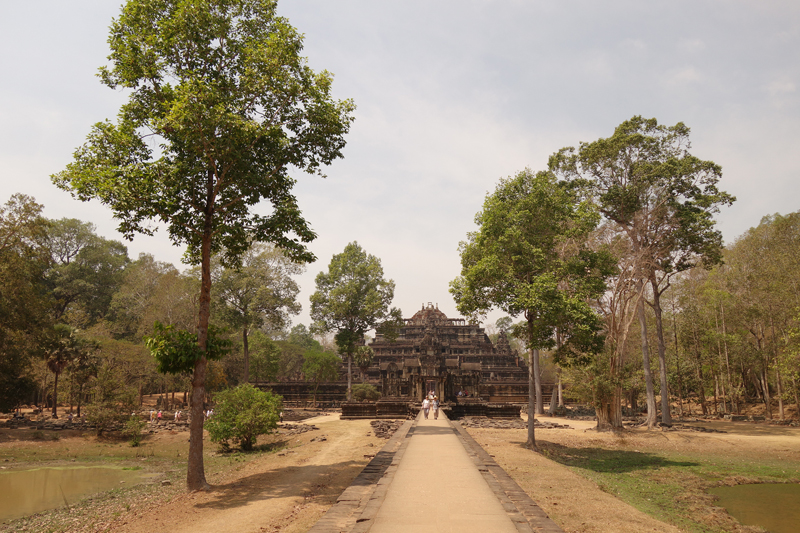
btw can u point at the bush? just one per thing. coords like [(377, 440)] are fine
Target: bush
[(242, 414), (364, 392), (133, 429)]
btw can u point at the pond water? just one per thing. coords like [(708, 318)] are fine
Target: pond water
[(773, 506), (25, 492)]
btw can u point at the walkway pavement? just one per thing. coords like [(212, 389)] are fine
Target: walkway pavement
[(433, 477), (437, 488)]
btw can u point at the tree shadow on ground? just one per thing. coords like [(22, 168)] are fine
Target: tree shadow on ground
[(291, 481), (266, 447), (606, 461)]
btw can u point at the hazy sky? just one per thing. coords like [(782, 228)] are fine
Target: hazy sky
[(451, 96)]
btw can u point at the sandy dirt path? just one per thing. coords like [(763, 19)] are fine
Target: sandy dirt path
[(279, 492)]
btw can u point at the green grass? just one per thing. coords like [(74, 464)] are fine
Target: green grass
[(669, 486)]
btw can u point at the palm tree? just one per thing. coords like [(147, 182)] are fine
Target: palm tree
[(64, 347), (363, 358)]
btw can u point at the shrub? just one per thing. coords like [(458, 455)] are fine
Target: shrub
[(133, 429), (364, 392), (242, 414)]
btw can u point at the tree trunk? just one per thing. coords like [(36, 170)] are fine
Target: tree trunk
[(779, 392), (537, 382), (560, 390), (765, 385), (246, 350), (350, 378), (699, 370), (71, 391), (195, 474), (666, 415), (55, 395), (553, 399), (796, 396), (648, 377), (678, 363), (531, 443), (80, 400), (731, 389)]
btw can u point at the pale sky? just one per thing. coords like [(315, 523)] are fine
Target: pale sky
[(451, 96)]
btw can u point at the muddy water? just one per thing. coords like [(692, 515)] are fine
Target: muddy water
[(25, 492), (773, 506)]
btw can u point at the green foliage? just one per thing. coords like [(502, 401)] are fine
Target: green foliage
[(152, 291), (233, 104), (242, 414), (133, 429), (24, 301), (363, 357), (260, 293), (352, 297), (176, 350), (530, 257), (644, 172), (112, 400), (364, 392), (301, 336), (319, 366), (86, 270), (265, 357)]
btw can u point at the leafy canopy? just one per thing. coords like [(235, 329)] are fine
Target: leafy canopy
[(176, 350), (644, 179), (352, 297), (530, 257), (221, 104), (320, 366)]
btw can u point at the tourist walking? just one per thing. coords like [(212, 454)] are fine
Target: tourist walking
[(426, 405), (435, 407)]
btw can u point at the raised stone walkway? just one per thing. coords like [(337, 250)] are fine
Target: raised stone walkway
[(433, 477)]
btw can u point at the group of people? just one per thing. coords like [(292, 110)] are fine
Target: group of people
[(158, 415), (431, 402)]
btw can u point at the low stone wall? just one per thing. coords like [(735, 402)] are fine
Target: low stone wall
[(472, 407), (382, 409)]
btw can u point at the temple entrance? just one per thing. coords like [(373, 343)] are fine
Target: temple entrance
[(430, 386)]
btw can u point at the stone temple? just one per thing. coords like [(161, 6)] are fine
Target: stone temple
[(431, 353), (447, 356)]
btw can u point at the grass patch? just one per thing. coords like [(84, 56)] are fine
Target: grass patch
[(671, 486)]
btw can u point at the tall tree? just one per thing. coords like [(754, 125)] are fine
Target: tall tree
[(352, 298), (663, 199), (86, 270), (320, 366), (152, 291), (222, 91), (64, 347), (529, 257), (24, 300), (259, 293)]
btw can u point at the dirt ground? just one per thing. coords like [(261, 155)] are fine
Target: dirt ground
[(578, 504), (288, 490)]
